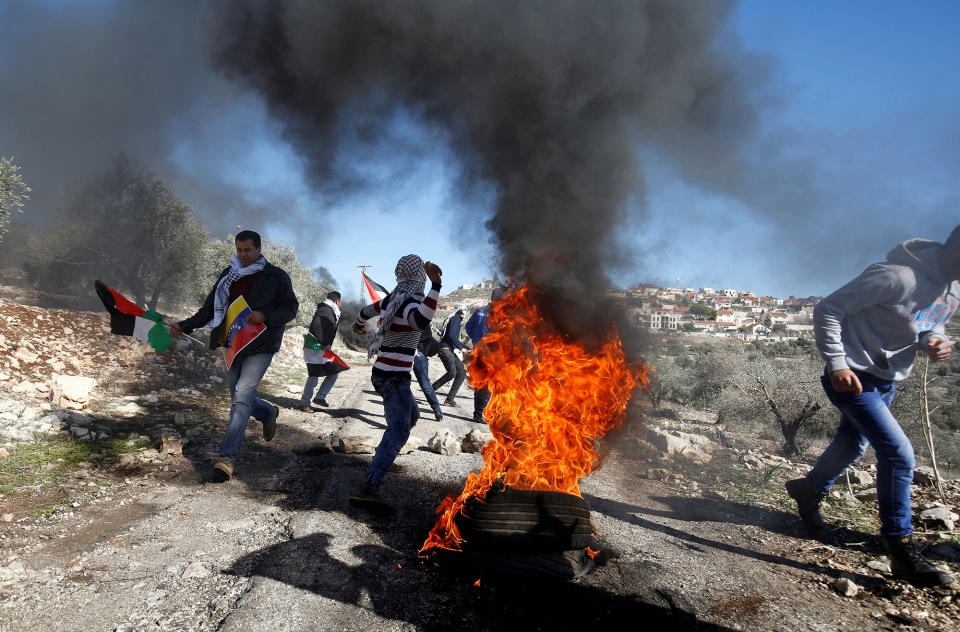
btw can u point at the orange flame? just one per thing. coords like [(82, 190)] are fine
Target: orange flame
[(551, 400)]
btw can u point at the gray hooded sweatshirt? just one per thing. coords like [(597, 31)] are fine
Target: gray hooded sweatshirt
[(877, 322)]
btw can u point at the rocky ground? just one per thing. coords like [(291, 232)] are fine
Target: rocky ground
[(109, 519)]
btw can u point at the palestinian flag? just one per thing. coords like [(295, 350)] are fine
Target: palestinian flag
[(377, 291), (320, 363), (237, 334), (127, 319)]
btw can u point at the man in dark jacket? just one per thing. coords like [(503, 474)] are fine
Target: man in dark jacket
[(449, 342), (323, 328), (269, 295)]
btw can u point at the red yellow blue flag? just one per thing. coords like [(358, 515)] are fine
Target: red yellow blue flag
[(237, 333)]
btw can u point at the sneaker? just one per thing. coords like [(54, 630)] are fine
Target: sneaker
[(808, 502), (367, 496), (305, 409), (908, 564), (320, 401), (222, 470), (270, 425), (449, 402), (478, 419)]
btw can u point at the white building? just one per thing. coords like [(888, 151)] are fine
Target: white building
[(663, 320)]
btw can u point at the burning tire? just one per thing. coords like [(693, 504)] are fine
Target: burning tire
[(526, 520)]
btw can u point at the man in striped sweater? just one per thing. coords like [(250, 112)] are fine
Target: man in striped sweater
[(404, 314)]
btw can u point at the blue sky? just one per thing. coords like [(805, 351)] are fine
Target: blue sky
[(867, 95), (858, 147)]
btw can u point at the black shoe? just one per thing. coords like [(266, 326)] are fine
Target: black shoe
[(270, 425), (320, 401), (438, 414), (908, 564), (478, 419), (808, 502)]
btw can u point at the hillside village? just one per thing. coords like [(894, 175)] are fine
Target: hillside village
[(727, 312), (724, 313)]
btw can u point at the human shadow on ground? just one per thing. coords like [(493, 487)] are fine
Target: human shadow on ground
[(355, 413), (402, 587), (698, 509), (628, 513), (788, 523)]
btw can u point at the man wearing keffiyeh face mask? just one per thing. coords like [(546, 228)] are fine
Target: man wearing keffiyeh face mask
[(404, 314)]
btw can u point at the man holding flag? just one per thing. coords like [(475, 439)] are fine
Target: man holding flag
[(320, 359), (246, 312)]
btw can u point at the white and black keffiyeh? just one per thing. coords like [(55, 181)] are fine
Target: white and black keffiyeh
[(333, 305), (223, 287), (411, 280)]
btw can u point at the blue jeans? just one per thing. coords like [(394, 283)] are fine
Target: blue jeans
[(325, 387), (421, 368), (401, 413), (244, 378), (866, 418)]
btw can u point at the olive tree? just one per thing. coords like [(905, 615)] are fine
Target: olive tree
[(784, 391), (126, 227), (13, 192)]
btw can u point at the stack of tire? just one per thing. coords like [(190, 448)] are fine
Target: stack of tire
[(527, 533)]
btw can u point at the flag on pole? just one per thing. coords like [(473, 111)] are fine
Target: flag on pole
[(377, 291), (320, 363), (128, 319), (237, 334)]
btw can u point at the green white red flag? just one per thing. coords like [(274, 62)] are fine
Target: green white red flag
[(320, 362), (128, 319)]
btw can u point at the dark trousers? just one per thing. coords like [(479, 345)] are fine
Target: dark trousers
[(455, 372), (481, 397)]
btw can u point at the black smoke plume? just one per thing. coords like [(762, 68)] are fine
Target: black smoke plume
[(547, 102)]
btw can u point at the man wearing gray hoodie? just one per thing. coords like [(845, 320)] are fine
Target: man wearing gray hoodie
[(868, 332)]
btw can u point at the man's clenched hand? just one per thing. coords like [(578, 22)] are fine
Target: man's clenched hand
[(846, 381), (939, 349), (433, 271)]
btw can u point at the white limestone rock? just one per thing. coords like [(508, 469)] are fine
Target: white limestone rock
[(444, 442)]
